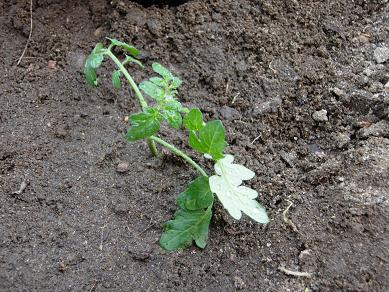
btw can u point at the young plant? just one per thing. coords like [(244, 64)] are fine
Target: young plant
[(191, 221)]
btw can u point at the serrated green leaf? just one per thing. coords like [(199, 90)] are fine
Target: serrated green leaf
[(194, 120), (185, 227), (158, 81), (173, 118), (176, 82), (165, 73), (116, 79), (144, 124), (197, 196), (94, 60), (173, 105), (130, 49), (152, 90), (226, 184), (209, 140), (98, 48), (129, 59)]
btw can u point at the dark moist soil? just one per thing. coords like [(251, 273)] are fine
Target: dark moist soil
[(267, 69)]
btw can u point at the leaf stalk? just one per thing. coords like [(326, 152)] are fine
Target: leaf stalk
[(179, 153)]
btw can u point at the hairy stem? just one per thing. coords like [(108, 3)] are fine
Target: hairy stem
[(152, 147), (138, 94), (179, 153)]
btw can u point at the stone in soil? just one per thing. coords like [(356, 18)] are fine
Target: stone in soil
[(320, 116), (381, 54), (123, 167)]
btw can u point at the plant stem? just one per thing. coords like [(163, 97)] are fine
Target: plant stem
[(152, 147), (179, 153), (138, 94)]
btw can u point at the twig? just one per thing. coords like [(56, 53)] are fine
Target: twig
[(287, 220), (21, 189), (233, 100), (102, 237), (294, 273), (151, 224), (93, 286), (29, 37), (255, 139)]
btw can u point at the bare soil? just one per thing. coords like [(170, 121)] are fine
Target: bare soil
[(69, 221)]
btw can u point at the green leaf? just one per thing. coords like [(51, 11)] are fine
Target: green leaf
[(226, 184), (116, 79), (152, 90), (133, 60), (176, 82), (130, 49), (165, 73), (158, 81), (173, 105), (144, 124), (186, 227), (197, 196), (98, 48), (185, 110), (209, 140), (92, 62), (90, 75), (173, 118), (194, 120)]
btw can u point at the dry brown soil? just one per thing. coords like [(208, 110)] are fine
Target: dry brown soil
[(264, 67)]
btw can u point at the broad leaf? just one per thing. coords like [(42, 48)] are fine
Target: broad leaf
[(209, 140), (165, 73), (186, 227), (116, 79), (194, 120), (152, 90), (197, 196), (130, 49), (144, 124), (234, 197), (173, 118)]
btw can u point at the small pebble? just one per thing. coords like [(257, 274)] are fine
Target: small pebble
[(98, 31), (338, 92), (376, 87), (381, 54), (51, 64), (239, 283), (229, 113), (123, 167), (341, 140), (380, 129), (320, 116)]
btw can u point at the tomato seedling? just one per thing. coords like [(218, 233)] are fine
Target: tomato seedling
[(191, 222)]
